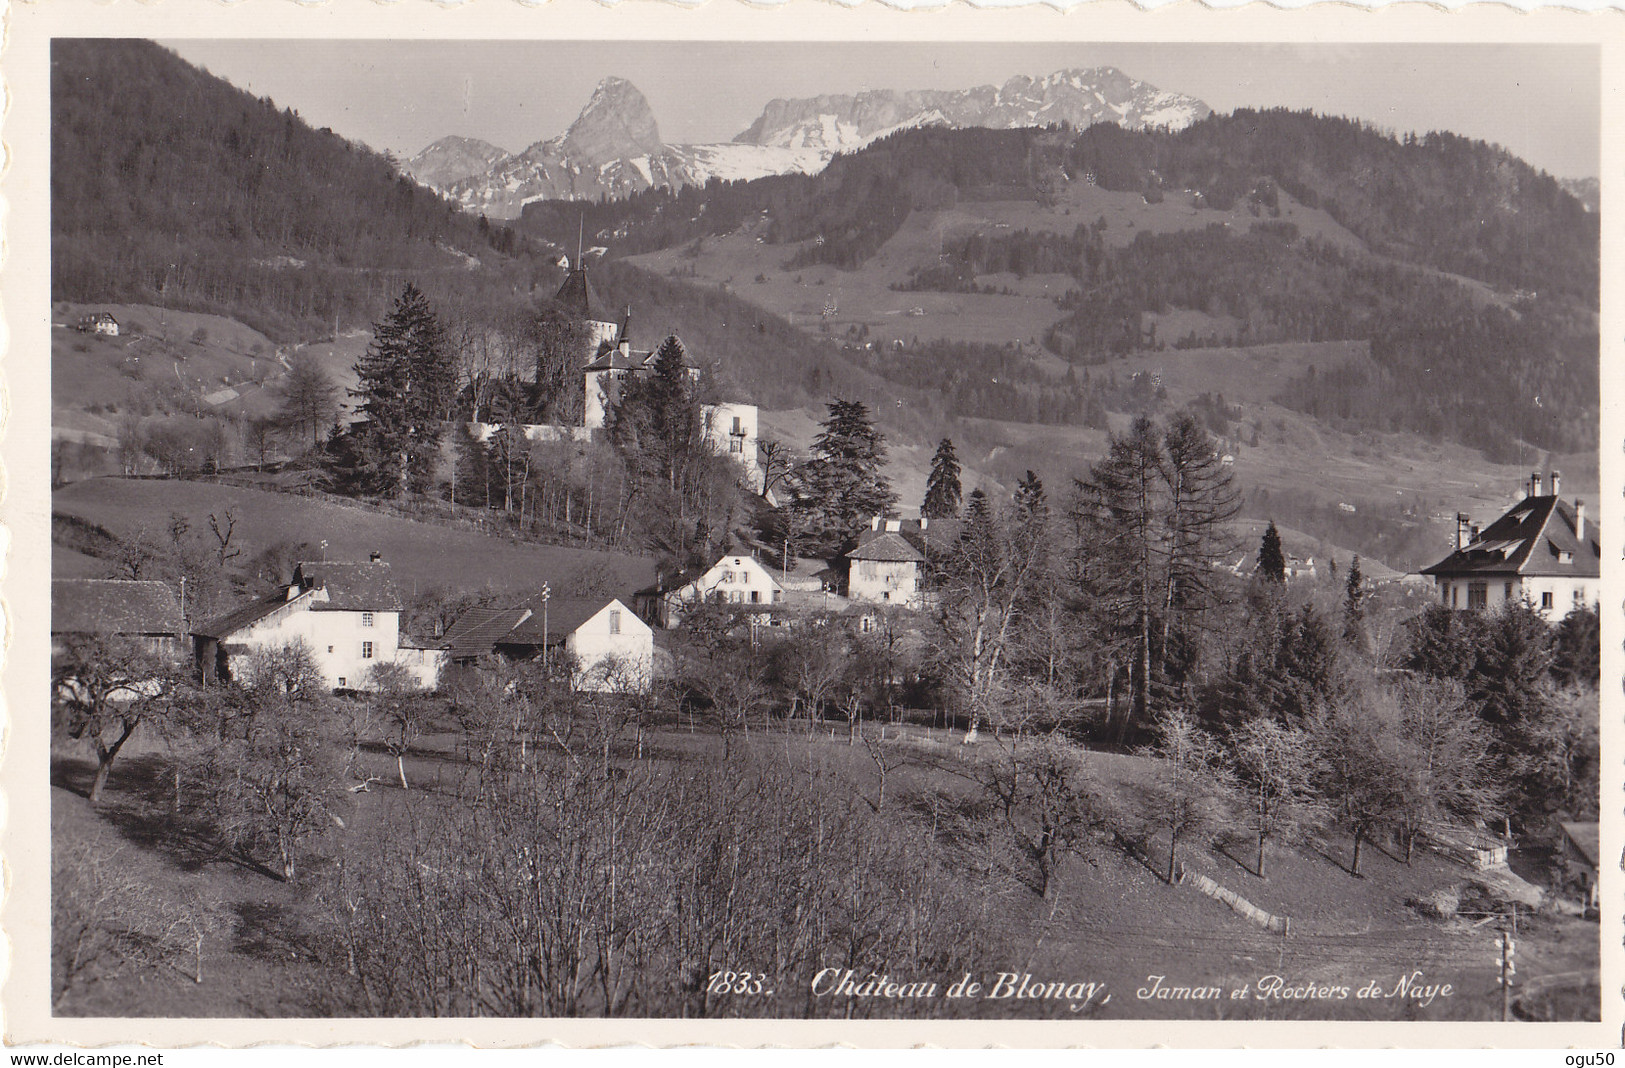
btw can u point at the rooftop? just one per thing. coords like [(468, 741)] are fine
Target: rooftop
[(351, 587), (1530, 539), (114, 606)]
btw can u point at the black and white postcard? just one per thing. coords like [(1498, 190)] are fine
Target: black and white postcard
[(783, 527)]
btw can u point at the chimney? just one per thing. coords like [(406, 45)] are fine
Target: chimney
[(1580, 521), (1534, 484), (1474, 537), (874, 524), (376, 557), (1557, 483), (1461, 530)]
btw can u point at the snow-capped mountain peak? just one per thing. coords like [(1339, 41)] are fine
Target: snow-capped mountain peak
[(613, 148)]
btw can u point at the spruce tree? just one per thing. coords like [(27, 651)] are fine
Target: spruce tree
[(1271, 560), (942, 489), (406, 387), (1354, 595)]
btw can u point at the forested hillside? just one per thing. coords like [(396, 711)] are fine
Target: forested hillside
[(1473, 277), (170, 186)]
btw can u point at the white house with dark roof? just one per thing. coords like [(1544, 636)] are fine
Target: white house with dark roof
[(607, 647), (736, 579), (885, 568), (1544, 551), (347, 614)]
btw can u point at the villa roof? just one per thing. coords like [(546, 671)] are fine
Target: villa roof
[(1530, 539), (888, 546)]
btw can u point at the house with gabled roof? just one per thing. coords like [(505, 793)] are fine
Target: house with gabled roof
[(347, 614), (141, 611), (1544, 551), (604, 643), (735, 579)]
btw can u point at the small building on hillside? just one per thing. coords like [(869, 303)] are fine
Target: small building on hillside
[(736, 580), (1580, 852), (139, 611), (607, 647), (98, 323), (885, 568), (347, 614), (1544, 551)]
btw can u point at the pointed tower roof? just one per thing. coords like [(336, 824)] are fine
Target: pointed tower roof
[(577, 295)]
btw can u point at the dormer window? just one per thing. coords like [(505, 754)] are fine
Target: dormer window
[(1564, 556)]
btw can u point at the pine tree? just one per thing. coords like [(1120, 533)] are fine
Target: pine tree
[(407, 385), (1271, 560), (1354, 595), (942, 490)]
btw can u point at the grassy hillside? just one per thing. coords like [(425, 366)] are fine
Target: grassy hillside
[(1109, 919), (422, 556)]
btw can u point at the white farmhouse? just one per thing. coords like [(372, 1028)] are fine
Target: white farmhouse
[(607, 647), (737, 580), (348, 615), (1543, 551)]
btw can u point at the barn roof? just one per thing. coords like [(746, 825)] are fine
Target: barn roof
[(351, 587), (563, 615), (114, 606), (478, 630), (1528, 540), (222, 627), (886, 545), (1585, 839)]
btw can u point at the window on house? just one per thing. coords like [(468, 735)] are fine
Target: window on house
[(343, 682), (366, 650), (1546, 599), (778, 595), (755, 596), (1507, 593), (366, 619), (866, 624), (736, 445), (1579, 594), (615, 622), (737, 430), (1455, 597), (330, 648), (1477, 595)]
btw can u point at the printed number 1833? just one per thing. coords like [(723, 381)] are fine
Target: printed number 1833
[(739, 983)]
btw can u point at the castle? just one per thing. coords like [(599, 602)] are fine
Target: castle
[(730, 429)]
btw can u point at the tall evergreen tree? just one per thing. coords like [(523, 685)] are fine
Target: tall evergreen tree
[(1354, 596), (1149, 519), (406, 388), (841, 487), (1271, 560), (942, 490)]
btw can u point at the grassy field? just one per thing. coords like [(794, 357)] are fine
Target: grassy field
[(423, 556), (1107, 918), (753, 269)]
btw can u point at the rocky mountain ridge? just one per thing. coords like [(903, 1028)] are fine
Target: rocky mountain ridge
[(614, 148)]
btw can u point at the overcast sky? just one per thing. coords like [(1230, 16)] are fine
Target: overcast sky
[(1541, 102)]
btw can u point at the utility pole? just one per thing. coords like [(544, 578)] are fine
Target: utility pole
[(1508, 970)]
